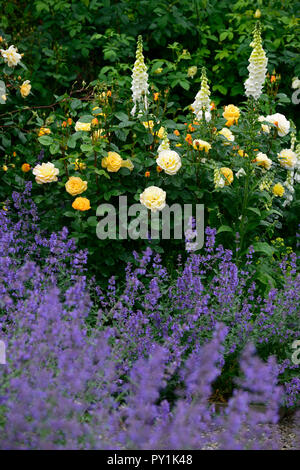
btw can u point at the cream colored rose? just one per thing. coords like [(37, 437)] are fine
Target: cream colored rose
[(11, 56), (264, 127), (227, 134), (25, 88), (45, 173), (75, 186), (153, 198), (169, 161), (263, 160), (112, 162), (280, 121), (82, 126), (287, 159)]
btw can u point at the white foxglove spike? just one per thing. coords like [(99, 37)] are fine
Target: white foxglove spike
[(257, 66), (139, 85), (201, 105)]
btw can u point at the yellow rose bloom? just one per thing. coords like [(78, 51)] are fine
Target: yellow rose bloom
[(227, 134), (45, 173), (201, 145), (81, 204), (278, 190), (44, 131), (25, 167), (75, 186), (25, 88), (263, 160), (4, 168), (169, 161), (287, 159), (153, 198), (82, 126), (232, 114), (228, 175), (113, 162)]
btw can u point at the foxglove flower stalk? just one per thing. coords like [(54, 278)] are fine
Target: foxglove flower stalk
[(257, 66), (165, 143), (139, 85), (201, 105)]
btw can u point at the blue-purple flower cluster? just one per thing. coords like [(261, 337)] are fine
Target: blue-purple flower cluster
[(88, 369)]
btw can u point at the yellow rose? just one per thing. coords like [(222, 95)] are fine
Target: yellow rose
[(75, 186), (25, 167), (45, 173), (227, 134), (169, 161), (201, 145), (228, 175), (278, 190), (25, 88), (43, 131), (232, 114), (81, 204), (4, 168), (112, 162), (263, 160), (82, 126), (287, 159), (153, 198)]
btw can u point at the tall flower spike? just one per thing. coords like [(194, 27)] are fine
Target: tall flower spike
[(165, 144), (257, 66), (201, 105), (139, 85)]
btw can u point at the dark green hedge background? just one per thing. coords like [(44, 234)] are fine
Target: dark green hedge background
[(67, 40)]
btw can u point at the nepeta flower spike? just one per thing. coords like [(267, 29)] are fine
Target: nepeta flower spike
[(257, 66), (201, 105), (139, 85)]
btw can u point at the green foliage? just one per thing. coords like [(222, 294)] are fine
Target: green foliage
[(79, 56)]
